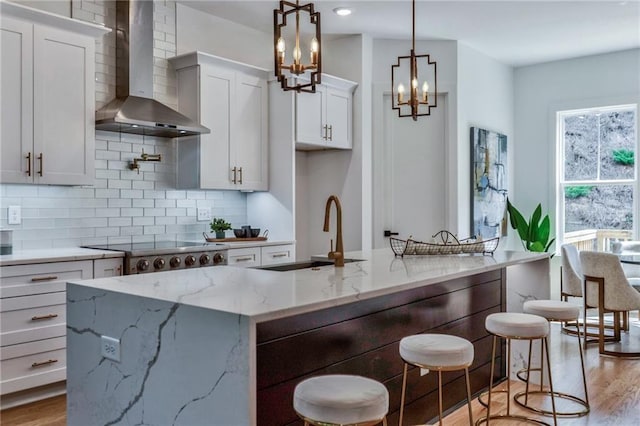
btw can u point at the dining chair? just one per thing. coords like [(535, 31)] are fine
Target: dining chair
[(606, 287)]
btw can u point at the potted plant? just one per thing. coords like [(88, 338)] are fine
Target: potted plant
[(535, 233), (219, 225)]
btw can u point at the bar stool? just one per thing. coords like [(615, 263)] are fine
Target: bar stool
[(439, 352), (341, 400), (517, 326), (554, 310)]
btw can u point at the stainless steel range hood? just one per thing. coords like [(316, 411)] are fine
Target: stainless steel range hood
[(134, 110)]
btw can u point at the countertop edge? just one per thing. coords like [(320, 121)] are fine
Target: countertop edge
[(30, 257)]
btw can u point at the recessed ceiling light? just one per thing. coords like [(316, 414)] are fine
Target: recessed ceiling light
[(342, 11)]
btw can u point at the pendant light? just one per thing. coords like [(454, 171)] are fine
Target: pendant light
[(419, 100), (287, 73)]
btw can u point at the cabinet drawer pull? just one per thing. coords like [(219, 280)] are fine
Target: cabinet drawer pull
[(331, 132), (29, 164), (240, 180), (326, 132), (43, 317), (234, 170), (48, 278), (40, 364), (41, 158), (280, 255), (244, 259)]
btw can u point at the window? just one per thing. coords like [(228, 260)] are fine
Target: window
[(597, 176)]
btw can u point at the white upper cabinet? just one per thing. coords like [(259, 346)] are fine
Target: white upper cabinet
[(47, 97), (323, 120), (231, 99)]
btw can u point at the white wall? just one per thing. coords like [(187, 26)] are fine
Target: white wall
[(207, 33), (540, 91), (485, 100)]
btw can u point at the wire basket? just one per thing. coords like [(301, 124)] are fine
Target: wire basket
[(449, 245)]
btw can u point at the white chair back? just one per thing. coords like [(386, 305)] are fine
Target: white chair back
[(571, 270), (618, 293)]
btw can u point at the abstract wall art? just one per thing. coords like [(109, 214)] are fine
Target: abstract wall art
[(488, 183)]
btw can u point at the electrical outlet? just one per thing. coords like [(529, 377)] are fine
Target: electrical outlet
[(15, 215), (110, 348), (204, 214)]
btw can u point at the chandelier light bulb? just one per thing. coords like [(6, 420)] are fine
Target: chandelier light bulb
[(280, 46), (296, 54), (425, 89), (315, 47), (414, 83), (400, 92)]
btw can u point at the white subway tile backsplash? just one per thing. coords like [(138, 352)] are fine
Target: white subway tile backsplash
[(122, 206)]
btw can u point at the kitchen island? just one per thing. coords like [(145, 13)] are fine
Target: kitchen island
[(226, 345)]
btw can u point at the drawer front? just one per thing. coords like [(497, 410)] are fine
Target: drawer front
[(273, 255), (244, 257), (32, 364), (22, 280), (27, 318)]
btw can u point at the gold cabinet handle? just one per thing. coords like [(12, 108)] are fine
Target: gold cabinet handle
[(244, 259), (41, 158), (331, 132), (40, 364), (47, 278), (234, 170), (240, 181), (29, 164), (280, 255), (44, 317)]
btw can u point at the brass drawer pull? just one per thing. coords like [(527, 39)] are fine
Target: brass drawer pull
[(244, 259), (48, 278), (40, 364), (44, 317), (29, 164), (280, 255), (40, 157)]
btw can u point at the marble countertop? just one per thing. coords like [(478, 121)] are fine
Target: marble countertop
[(65, 254), (247, 244), (264, 295)]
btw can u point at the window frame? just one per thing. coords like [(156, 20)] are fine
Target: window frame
[(562, 183)]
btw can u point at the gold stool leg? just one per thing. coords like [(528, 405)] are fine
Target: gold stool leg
[(404, 388), (553, 399), (466, 376)]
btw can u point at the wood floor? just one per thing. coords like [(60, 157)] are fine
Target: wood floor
[(614, 391)]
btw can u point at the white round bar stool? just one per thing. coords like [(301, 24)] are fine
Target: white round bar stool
[(341, 400), (438, 352), (518, 326), (554, 310)]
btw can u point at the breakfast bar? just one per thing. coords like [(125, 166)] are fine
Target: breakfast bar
[(227, 345)]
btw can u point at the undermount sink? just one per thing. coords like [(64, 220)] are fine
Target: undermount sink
[(305, 264)]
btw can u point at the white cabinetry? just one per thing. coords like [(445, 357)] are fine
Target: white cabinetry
[(47, 103), (33, 321), (231, 99), (261, 256), (323, 120)]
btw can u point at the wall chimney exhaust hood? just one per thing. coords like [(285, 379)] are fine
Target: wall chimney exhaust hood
[(134, 110)]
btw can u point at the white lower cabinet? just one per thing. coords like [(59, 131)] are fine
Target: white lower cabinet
[(261, 256), (33, 320), (273, 255), (244, 257)]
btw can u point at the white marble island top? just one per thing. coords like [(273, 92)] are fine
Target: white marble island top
[(263, 295)]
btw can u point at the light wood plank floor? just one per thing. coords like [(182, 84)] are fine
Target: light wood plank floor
[(614, 391)]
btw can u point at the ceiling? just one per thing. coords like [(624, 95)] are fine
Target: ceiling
[(513, 32)]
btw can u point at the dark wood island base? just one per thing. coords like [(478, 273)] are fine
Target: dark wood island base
[(363, 338)]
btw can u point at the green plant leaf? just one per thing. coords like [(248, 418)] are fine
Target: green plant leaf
[(518, 222), (544, 230), (536, 246), (534, 223)]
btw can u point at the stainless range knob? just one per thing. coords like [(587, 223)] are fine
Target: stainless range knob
[(218, 258), (159, 263), (142, 265), (204, 259), (190, 260), (175, 262)]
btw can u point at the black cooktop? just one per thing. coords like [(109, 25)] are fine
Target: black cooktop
[(158, 247)]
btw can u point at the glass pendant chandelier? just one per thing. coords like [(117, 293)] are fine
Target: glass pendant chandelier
[(418, 71), (297, 75)]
